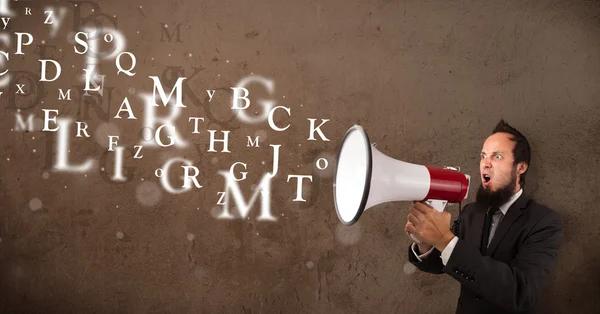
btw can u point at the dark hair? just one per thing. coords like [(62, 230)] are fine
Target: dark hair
[(521, 151)]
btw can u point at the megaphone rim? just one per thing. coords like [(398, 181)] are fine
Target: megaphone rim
[(367, 189)]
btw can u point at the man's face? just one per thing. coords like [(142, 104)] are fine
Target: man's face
[(498, 171), (496, 162)]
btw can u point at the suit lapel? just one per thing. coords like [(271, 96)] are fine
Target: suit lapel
[(477, 225), (513, 213)]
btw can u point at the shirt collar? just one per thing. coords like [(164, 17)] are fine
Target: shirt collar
[(504, 207)]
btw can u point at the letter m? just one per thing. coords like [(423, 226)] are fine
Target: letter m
[(62, 95), (22, 125), (165, 33), (252, 144), (232, 188), (163, 96)]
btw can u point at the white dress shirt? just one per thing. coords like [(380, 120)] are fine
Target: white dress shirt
[(445, 256)]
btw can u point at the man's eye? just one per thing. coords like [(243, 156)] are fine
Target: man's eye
[(498, 156)]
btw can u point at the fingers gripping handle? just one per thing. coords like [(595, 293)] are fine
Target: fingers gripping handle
[(438, 205)]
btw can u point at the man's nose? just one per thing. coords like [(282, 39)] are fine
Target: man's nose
[(486, 164)]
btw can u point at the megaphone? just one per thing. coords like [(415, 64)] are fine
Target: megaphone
[(365, 177)]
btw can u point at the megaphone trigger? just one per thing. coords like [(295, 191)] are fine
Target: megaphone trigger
[(438, 205)]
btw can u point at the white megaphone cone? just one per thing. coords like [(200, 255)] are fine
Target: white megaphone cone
[(365, 177)]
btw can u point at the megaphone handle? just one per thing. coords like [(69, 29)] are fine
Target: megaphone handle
[(438, 205), (414, 237)]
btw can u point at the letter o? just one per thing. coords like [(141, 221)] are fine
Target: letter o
[(143, 132), (326, 163)]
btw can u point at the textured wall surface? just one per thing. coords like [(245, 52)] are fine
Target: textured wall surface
[(428, 80)]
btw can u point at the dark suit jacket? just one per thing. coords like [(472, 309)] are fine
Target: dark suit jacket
[(507, 279)]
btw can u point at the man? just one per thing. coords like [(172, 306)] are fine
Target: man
[(505, 243)]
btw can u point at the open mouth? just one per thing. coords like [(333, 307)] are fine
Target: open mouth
[(486, 178)]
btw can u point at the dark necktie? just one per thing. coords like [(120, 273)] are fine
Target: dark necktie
[(485, 236)]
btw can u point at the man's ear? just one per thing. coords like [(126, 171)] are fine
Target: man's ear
[(522, 167)]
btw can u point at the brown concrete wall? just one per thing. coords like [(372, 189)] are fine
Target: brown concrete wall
[(427, 79)]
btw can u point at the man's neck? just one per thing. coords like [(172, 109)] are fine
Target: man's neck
[(504, 207)]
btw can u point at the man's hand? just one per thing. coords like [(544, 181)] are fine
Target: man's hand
[(423, 247), (429, 225)]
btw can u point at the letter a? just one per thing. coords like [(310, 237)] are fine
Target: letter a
[(126, 109)]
